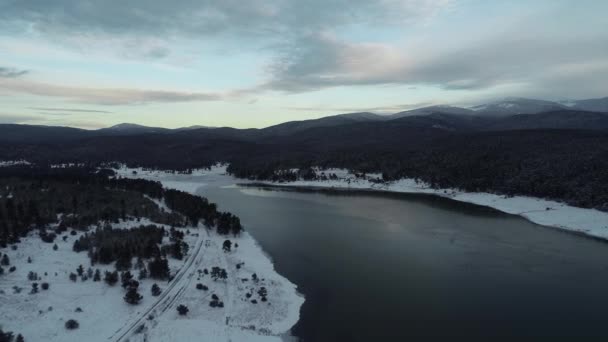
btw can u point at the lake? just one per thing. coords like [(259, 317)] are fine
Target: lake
[(383, 267)]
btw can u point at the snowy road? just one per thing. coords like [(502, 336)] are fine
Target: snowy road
[(166, 299)]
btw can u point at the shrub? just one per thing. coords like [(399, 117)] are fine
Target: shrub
[(73, 276), (182, 310), (111, 278), (12, 269), (45, 286), (156, 291), (71, 324), (227, 246)]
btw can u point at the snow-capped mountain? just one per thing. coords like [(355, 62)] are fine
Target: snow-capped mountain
[(516, 105), (446, 109)]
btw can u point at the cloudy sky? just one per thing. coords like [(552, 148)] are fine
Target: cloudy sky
[(253, 63)]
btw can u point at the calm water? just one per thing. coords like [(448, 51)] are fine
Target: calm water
[(418, 268)]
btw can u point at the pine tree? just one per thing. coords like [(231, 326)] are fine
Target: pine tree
[(111, 278), (156, 291), (227, 246), (97, 276), (143, 274), (158, 268), (133, 297), (182, 310), (5, 260)]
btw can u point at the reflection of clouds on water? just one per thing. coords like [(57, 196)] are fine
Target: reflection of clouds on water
[(393, 227)]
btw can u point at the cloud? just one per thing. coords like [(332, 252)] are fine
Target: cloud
[(7, 118), (6, 72), (70, 110), (104, 96), (146, 28), (320, 61), (204, 17), (380, 109)]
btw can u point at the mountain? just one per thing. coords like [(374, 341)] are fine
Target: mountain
[(431, 110), (328, 121), (591, 105), (14, 133), (562, 119), (194, 127), (130, 129), (516, 105)]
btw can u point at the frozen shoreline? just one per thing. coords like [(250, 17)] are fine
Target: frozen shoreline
[(588, 222), (273, 324)]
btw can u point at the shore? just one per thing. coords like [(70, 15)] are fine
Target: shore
[(588, 222), (272, 323)]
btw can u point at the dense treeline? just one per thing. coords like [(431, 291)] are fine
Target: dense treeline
[(109, 245), (565, 165), (79, 197), (444, 150)]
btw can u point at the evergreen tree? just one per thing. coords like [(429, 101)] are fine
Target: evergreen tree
[(227, 246), (80, 270), (182, 310), (97, 275), (133, 297), (111, 278), (126, 278), (156, 291), (158, 268)]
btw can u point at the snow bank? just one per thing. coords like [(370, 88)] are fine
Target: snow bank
[(240, 319), (6, 163), (590, 222), (42, 316)]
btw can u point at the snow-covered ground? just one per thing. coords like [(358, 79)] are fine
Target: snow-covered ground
[(5, 163), (106, 317), (589, 222), (42, 316)]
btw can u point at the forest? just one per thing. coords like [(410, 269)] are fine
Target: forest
[(557, 157), (53, 200)]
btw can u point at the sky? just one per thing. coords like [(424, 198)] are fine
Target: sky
[(255, 63)]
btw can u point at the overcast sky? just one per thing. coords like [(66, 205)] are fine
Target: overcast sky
[(253, 63)]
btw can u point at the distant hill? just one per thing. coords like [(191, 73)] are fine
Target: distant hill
[(130, 129), (36, 134), (591, 105), (433, 110), (328, 121), (562, 119), (512, 106)]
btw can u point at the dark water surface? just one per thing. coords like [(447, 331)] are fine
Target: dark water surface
[(419, 268)]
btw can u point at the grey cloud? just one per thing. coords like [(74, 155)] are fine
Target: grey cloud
[(7, 118), (105, 96), (381, 109), (70, 110), (11, 72), (320, 61), (193, 18)]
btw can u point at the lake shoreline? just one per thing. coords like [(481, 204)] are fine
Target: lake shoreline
[(595, 227)]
